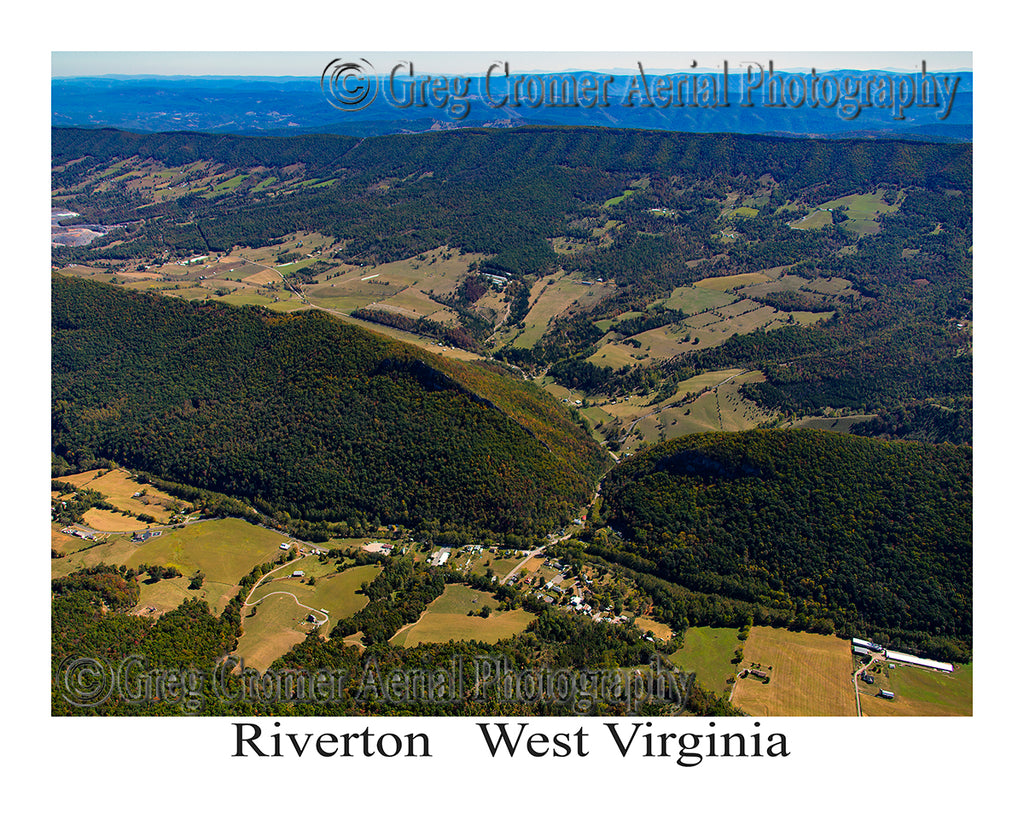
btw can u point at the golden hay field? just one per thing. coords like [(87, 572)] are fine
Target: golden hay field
[(811, 675)]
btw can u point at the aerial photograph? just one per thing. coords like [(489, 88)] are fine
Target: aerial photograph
[(534, 385)]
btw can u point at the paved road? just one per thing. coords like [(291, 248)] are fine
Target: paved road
[(522, 563)]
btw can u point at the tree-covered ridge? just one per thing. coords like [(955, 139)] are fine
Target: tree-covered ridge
[(863, 532), (306, 416), (502, 193), (483, 152)]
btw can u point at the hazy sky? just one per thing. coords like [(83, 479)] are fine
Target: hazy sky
[(308, 64)]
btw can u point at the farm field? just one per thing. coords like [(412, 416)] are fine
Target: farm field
[(448, 618), (489, 559), (123, 491), (66, 544), (224, 550), (822, 287), (272, 623), (552, 296), (840, 424), (810, 675), (723, 283), (106, 521), (707, 652), (277, 626), (919, 692), (720, 407), (659, 630), (864, 210), (692, 299), (335, 591), (714, 316), (815, 220)]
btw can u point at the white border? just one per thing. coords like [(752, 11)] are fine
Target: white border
[(174, 766)]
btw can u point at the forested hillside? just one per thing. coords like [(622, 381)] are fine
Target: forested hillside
[(863, 533), (497, 192), (307, 416), (847, 263)]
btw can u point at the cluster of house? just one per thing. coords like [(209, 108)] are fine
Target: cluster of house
[(304, 551)]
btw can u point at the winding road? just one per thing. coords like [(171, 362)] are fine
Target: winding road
[(247, 602)]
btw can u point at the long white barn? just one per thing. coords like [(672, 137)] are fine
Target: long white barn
[(910, 659)]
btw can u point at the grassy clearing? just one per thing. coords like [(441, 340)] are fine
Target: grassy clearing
[(621, 198), (722, 408), (107, 521), (240, 299), (722, 283), (707, 329), (615, 355), (659, 630), (163, 596), (810, 675), (552, 296), (333, 590), (276, 627), (127, 494), (274, 623), (224, 550), (815, 220), (691, 299), (707, 651), (448, 618), (863, 210), (828, 424), (66, 544)]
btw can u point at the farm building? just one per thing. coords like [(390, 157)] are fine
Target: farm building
[(860, 651), (886, 695), (869, 679), (284, 546), (865, 644), (909, 659), (298, 573)]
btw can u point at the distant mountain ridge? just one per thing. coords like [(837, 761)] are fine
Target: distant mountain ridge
[(295, 105)]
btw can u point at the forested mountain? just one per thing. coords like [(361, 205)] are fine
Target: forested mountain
[(502, 193), (308, 417), (864, 533)]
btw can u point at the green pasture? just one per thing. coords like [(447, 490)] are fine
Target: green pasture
[(707, 652)]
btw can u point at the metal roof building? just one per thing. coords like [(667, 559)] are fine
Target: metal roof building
[(865, 644), (910, 659)]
